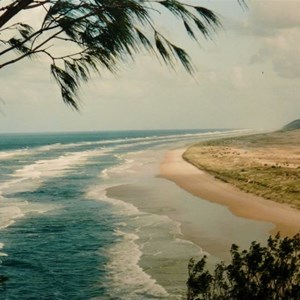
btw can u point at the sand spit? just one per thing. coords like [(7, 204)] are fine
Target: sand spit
[(241, 203), (267, 165)]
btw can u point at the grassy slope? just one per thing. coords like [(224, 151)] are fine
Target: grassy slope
[(267, 165)]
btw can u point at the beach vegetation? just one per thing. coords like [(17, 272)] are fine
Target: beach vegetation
[(267, 164), (77, 38), (292, 125), (270, 272)]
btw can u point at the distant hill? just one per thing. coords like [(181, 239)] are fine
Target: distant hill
[(292, 126)]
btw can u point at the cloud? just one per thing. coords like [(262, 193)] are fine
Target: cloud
[(274, 15), (277, 24), (237, 78)]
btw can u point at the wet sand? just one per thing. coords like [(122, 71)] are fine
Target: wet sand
[(242, 204), (212, 227)]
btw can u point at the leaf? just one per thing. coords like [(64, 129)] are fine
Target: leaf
[(209, 16), (183, 58), (202, 28), (25, 30), (144, 40), (68, 85), (162, 50), (18, 45), (175, 7), (189, 30)]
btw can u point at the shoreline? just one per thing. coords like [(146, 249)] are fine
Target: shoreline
[(201, 184)]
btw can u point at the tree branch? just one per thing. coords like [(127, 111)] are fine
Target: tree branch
[(33, 51), (13, 10), (37, 4)]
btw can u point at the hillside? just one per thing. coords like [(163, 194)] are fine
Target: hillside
[(292, 126)]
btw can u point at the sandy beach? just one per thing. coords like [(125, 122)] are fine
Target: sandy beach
[(240, 203)]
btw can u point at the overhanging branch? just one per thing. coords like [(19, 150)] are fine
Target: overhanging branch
[(13, 10)]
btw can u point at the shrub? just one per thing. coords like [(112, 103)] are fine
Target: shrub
[(260, 273)]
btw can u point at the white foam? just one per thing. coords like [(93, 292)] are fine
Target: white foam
[(10, 154), (31, 176), (182, 241), (179, 137), (57, 166), (50, 147), (100, 193), (124, 169), (58, 146), (8, 214), (104, 174), (129, 166), (2, 253), (155, 220), (11, 209), (127, 142), (127, 279), (152, 235)]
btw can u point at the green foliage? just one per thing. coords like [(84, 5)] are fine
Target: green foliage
[(261, 273), (294, 125), (96, 35)]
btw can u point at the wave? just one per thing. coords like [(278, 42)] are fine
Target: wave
[(128, 163), (8, 214), (127, 279), (2, 253), (100, 193), (127, 141), (141, 236), (188, 137), (30, 177), (123, 169), (57, 166), (13, 208), (4, 155)]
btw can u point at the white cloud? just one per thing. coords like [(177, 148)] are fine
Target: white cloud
[(238, 79), (275, 14), (226, 91), (277, 24)]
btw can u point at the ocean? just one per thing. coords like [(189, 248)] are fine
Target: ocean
[(86, 216)]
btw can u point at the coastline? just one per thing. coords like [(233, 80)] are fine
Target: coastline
[(242, 204), (266, 165), (171, 225)]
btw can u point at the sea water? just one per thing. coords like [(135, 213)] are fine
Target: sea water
[(84, 216)]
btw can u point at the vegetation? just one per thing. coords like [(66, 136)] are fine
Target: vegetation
[(292, 125), (261, 273), (266, 165), (81, 36)]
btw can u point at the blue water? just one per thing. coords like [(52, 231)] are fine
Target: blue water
[(60, 236)]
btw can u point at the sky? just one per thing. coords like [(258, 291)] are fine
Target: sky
[(247, 76)]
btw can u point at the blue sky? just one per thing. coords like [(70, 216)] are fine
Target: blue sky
[(247, 77)]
